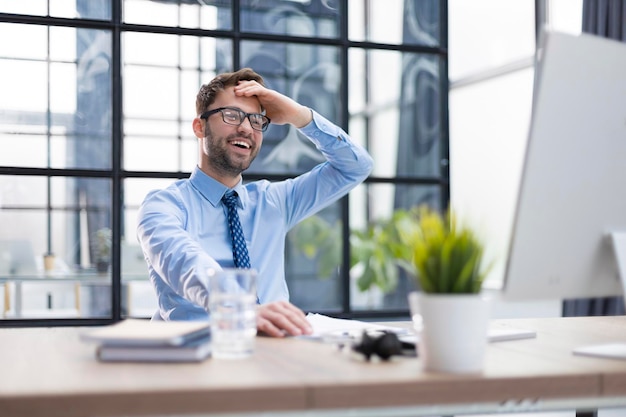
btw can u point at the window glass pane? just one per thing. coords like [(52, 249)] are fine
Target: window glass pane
[(23, 150), (40, 116), (189, 153), (187, 14), (310, 75), (150, 92), (141, 49), (63, 44), (314, 18), (215, 53), (24, 89), (40, 298), (487, 195), (165, 153), (312, 260), (315, 249), (140, 298), (85, 9), (160, 96), (63, 216), (33, 42), (92, 121), (190, 51), (395, 100), (63, 92), (149, 128), (565, 15), (373, 285), (19, 192), (370, 21), (475, 51), (135, 191), (31, 7)]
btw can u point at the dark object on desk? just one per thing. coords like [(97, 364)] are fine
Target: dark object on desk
[(385, 344)]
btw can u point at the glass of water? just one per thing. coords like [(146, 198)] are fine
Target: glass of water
[(232, 309)]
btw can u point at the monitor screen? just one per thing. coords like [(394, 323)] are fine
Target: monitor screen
[(572, 194)]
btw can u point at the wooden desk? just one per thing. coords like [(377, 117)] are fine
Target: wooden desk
[(50, 372)]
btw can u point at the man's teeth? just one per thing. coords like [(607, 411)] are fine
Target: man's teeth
[(241, 144)]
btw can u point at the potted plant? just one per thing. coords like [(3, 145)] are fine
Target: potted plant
[(102, 249), (450, 313)]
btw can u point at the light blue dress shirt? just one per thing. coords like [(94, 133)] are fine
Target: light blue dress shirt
[(183, 228)]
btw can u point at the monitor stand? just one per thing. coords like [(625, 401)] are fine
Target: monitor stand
[(615, 350), (618, 240)]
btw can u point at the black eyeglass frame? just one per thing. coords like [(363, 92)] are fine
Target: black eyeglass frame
[(242, 116)]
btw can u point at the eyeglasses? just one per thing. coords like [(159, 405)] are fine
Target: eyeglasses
[(234, 116)]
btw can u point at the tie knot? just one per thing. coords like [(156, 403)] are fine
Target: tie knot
[(230, 199)]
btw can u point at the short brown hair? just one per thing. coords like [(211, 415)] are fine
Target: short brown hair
[(208, 92)]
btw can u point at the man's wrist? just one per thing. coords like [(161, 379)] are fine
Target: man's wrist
[(304, 118)]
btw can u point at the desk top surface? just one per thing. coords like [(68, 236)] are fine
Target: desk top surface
[(45, 369)]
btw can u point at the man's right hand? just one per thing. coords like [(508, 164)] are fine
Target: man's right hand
[(281, 318), (278, 107)]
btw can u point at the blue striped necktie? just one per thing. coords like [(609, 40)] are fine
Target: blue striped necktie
[(240, 250)]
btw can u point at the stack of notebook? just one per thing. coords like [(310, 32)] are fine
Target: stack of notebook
[(136, 340)]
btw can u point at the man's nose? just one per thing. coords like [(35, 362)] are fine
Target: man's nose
[(246, 124)]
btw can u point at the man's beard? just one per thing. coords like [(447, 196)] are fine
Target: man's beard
[(221, 159)]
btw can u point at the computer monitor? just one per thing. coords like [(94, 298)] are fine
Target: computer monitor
[(572, 196)]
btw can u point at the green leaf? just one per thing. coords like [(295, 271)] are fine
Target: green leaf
[(442, 255), (366, 280), (446, 255)]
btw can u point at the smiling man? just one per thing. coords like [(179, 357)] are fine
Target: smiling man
[(183, 229)]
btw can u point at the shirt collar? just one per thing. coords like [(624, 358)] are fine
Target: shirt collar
[(213, 190)]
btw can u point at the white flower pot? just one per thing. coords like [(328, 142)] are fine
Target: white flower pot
[(452, 331)]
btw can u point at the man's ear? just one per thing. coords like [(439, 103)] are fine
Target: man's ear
[(198, 127)]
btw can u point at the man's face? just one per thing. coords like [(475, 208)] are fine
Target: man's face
[(229, 149)]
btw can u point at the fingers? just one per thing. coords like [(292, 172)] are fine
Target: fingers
[(248, 88), (278, 107), (280, 318)]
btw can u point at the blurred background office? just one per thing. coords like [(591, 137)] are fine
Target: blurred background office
[(96, 103)]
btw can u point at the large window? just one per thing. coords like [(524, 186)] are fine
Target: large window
[(96, 109)]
